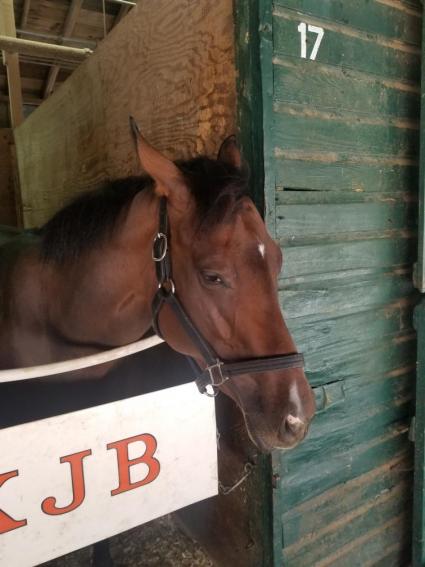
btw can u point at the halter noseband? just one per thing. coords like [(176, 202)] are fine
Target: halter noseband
[(217, 371)]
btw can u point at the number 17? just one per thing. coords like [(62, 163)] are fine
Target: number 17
[(303, 28)]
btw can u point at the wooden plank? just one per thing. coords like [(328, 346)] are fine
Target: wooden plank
[(11, 61), (387, 355), (43, 50), (71, 19), (371, 17), (123, 11), (330, 256), (342, 501), (315, 174), (361, 294), (24, 13), (342, 137), (326, 219), (185, 106), (346, 461), (329, 88), (364, 538), (7, 196), (341, 48), (374, 325)]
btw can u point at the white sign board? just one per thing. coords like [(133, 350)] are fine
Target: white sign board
[(71, 480)]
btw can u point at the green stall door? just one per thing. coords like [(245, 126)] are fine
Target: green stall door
[(341, 102)]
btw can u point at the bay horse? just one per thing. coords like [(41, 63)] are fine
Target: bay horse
[(86, 281)]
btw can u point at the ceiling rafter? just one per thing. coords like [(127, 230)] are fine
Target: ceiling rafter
[(70, 21), (24, 13)]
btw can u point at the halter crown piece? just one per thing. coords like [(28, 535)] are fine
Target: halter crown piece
[(217, 371)]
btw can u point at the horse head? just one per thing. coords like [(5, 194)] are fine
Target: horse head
[(225, 270)]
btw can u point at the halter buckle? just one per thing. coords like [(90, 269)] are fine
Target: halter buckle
[(160, 247), (217, 378), (168, 287)]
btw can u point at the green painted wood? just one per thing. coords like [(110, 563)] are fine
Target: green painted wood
[(372, 17), (342, 49), (335, 89), (349, 459), (332, 541), (418, 539), (420, 264), (418, 536), (332, 505), (345, 158), (307, 302), (329, 174), (250, 105), (327, 219), (341, 137), (329, 256)]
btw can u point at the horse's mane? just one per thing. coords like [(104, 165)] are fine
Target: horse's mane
[(93, 216)]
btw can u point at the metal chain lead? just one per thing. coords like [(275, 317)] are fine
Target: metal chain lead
[(225, 490)]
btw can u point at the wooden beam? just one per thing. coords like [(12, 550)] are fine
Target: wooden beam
[(71, 19), (27, 101), (39, 49), (24, 13), (123, 11), (11, 61)]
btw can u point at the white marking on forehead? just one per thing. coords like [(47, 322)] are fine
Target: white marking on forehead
[(262, 250)]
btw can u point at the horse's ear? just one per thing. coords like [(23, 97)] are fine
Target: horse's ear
[(169, 181), (230, 152)]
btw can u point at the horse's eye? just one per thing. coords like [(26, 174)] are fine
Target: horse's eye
[(212, 278)]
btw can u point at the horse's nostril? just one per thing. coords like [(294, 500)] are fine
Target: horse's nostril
[(293, 429)]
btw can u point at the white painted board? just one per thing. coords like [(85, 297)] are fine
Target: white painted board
[(53, 512)]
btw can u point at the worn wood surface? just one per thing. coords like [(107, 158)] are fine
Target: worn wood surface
[(7, 195), (11, 62), (345, 131), (172, 68)]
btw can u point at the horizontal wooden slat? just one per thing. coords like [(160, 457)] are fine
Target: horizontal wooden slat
[(342, 501), (287, 196), (320, 175), (305, 301), (327, 219), (332, 256), (342, 48), (375, 359), (344, 138), (314, 334), (331, 88), (371, 17), (339, 458), (335, 548)]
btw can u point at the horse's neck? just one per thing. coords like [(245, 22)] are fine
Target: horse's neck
[(102, 300), (105, 297)]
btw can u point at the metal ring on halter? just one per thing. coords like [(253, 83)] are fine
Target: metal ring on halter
[(212, 393), (160, 238), (168, 286), (217, 378)]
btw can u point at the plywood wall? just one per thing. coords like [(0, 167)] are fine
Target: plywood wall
[(170, 63), (7, 196)]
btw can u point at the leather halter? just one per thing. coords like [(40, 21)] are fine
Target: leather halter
[(217, 371)]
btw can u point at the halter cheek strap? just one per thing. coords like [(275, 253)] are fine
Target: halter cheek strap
[(217, 371)]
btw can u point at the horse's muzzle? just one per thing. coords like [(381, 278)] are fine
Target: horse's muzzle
[(292, 431)]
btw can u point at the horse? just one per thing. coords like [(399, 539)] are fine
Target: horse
[(86, 281)]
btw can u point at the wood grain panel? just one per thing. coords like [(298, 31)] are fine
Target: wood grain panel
[(7, 195), (171, 67)]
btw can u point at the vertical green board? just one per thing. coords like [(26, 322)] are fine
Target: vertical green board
[(341, 138), (418, 540)]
